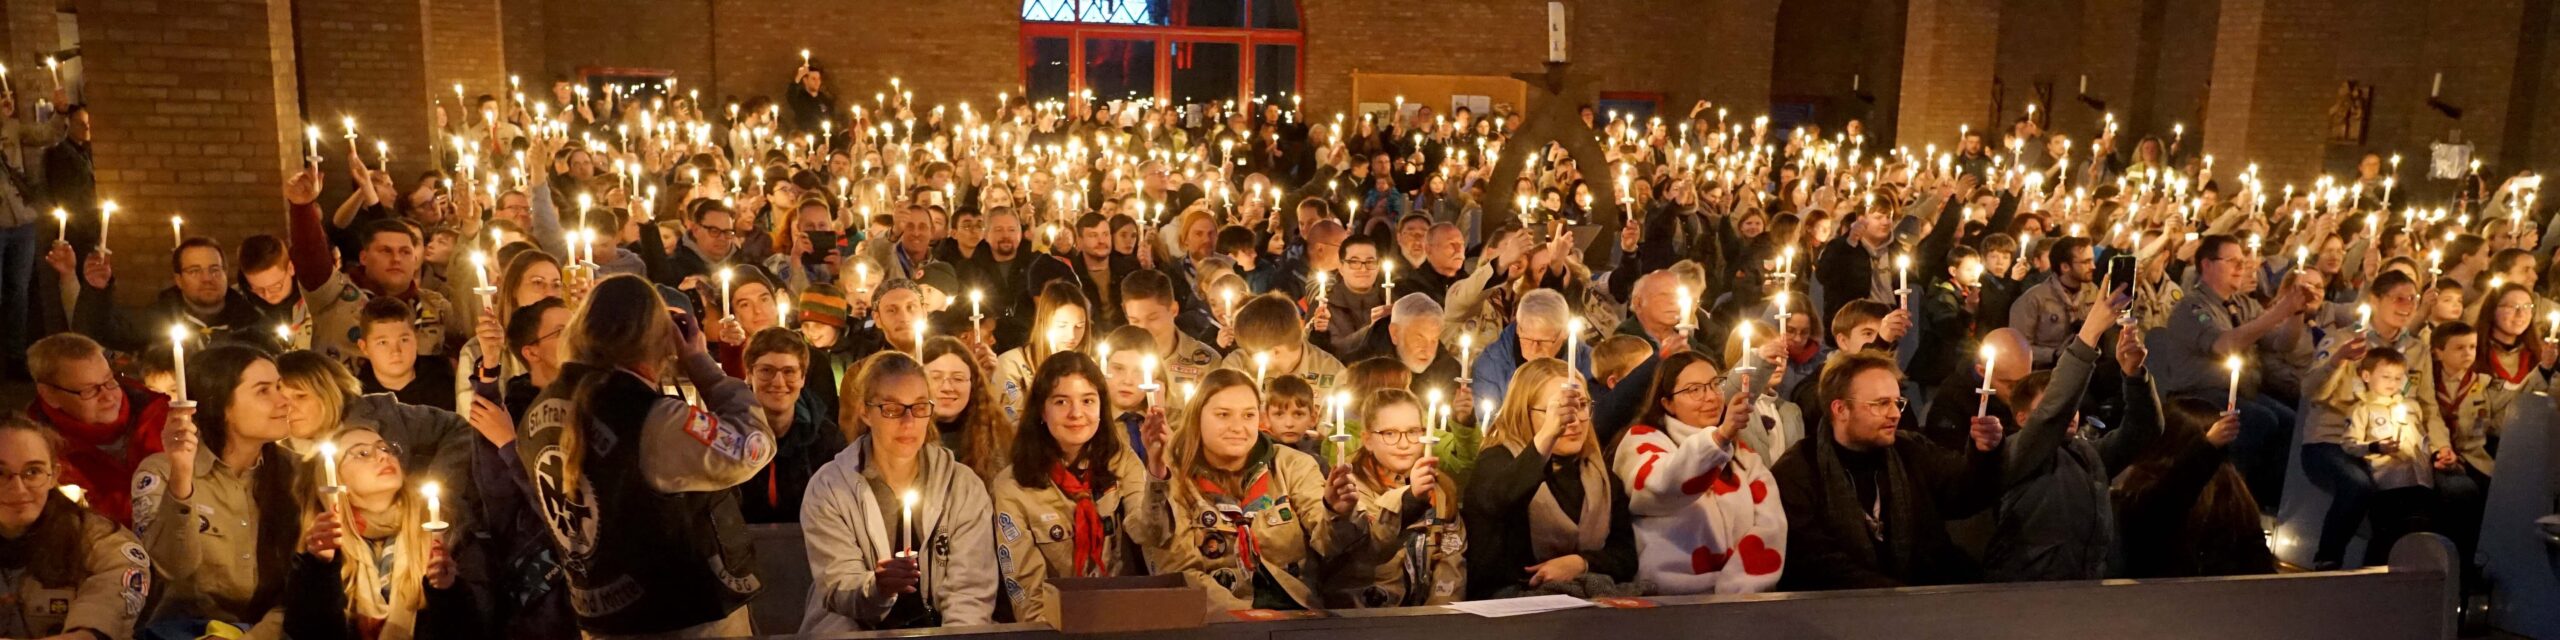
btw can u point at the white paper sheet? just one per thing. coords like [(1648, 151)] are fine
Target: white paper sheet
[(1520, 606)]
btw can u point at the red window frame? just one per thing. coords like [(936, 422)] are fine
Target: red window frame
[(1246, 38)]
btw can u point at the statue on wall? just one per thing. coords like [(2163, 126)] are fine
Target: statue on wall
[(2043, 116), (2351, 113)]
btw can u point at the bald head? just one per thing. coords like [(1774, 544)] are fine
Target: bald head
[(2015, 360)]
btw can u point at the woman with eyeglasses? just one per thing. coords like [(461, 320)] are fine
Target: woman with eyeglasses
[(896, 527), (216, 507), (1230, 511), (1062, 505), (2513, 353), (369, 567), (1059, 324), (1542, 515), (321, 397), (1707, 517), (75, 573), (1409, 546)]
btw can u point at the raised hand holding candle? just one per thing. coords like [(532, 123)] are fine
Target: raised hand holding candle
[(435, 506), (1902, 280)]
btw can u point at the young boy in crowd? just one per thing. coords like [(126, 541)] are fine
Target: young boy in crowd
[(1289, 413), (390, 342), (1616, 356), (2372, 458)]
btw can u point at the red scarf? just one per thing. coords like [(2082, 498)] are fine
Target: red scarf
[(2525, 362), (2449, 401), (1088, 524)]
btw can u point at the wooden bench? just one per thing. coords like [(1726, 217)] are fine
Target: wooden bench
[(2412, 598)]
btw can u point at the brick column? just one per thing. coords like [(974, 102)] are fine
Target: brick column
[(367, 59), (1948, 58), (2272, 85), (193, 104), (466, 44)]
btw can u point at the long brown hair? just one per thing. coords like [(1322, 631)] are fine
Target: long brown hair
[(1035, 452), (984, 437), (363, 581), (622, 324), (1182, 455), (1058, 293), (2225, 503)]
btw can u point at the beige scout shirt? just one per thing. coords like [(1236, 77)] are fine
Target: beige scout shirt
[(206, 544)]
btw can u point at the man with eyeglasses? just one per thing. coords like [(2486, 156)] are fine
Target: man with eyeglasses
[(109, 424), (200, 298), (2049, 312), (2216, 320), (710, 237), (804, 431), (1867, 508)]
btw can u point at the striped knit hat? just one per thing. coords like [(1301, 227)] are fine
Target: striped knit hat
[(823, 304)]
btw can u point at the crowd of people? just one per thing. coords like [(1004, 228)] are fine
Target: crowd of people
[(543, 386)]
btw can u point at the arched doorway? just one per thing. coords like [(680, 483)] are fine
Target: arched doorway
[(1177, 51)]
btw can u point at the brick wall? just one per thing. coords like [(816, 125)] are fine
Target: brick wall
[(2272, 85), (366, 59), (1491, 38), (194, 106), (525, 35), (2039, 42), (1948, 62), (466, 43), (946, 52), (654, 34)]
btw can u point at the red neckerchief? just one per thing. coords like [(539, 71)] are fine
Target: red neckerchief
[(1256, 492), (2450, 407), (1088, 524), (2524, 363)]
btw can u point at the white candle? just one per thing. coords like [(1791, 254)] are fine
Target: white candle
[(919, 325), (725, 276), (1744, 361), (2437, 88), (1990, 356), (1688, 309), (1902, 279), (2364, 317), (178, 357), (1341, 431), (106, 210), (329, 462), (177, 231), (435, 505), (480, 264), (62, 225), (1261, 368), (2554, 323), (1387, 276), (907, 514), (2233, 403)]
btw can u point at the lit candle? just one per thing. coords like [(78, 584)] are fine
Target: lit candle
[(1147, 375), (919, 326), (1688, 309), (2233, 403), (1387, 277), (1484, 415), (2554, 323), (74, 492), (178, 358), (1990, 356), (1261, 367), (106, 210), (62, 225), (1902, 279), (907, 513), (1745, 358), (725, 276), (435, 505), (329, 462), (1229, 295), (177, 231), (2364, 317)]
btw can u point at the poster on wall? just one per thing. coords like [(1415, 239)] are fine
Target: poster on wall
[(1478, 105)]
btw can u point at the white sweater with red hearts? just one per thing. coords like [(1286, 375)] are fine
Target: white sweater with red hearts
[(1707, 521)]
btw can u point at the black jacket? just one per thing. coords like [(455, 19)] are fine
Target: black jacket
[(1918, 487)]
